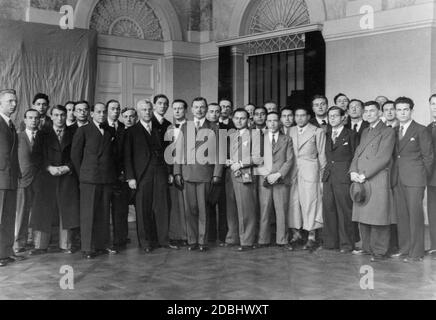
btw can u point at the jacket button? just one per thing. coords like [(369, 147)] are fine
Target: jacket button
[(333, 162), (399, 157)]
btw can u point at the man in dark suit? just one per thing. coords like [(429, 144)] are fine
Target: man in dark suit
[(341, 143), (218, 223), (28, 170), (195, 178), (431, 189), (274, 183), (356, 122), (9, 173), (287, 120), (371, 165), (161, 124), (94, 157), (40, 103), (121, 192), (56, 198), (413, 165), (320, 106), (259, 119), (147, 173)]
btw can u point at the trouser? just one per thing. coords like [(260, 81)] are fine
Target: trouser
[(120, 213), (8, 205), (177, 230), (196, 210), (338, 229), (42, 239), (241, 214), (411, 224), (431, 209), (375, 239), (24, 205), (94, 216), (218, 217), (152, 211), (273, 199)]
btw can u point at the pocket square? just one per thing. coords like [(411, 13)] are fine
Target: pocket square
[(345, 144), (413, 139), (245, 143)]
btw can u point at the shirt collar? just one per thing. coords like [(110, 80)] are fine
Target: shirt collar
[(358, 122), (241, 132), (339, 130), (158, 117), (201, 121), (82, 124), (226, 121), (180, 122), (96, 124), (29, 132), (406, 125), (70, 123), (145, 124), (112, 123), (321, 120), (376, 124), (5, 117), (302, 129)]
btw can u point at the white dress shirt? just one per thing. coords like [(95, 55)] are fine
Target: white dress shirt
[(359, 124), (5, 117), (338, 132), (159, 118), (200, 122), (98, 127), (31, 135), (405, 126), (147, 126), (274, 136)]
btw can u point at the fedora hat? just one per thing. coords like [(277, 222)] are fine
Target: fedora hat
[(360, 193)]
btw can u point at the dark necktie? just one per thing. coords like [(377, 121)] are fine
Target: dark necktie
[(32, 138), (274, 142), (177, 126), (401, 133), (355, 127), (11, 125), (59, 134), (324, 123)]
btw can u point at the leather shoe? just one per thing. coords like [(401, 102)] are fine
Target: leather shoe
[(310, 245), (359, 252), (68, 251), (192, 247), (286, 247), (20, 250), (244, 248), (37, 252), (17, 258), (413, 259), (172, 247), (88, 255), (108, 251), (203, 248), (377, 258), (398, 256), (4, 262), (148, 250), (345, 251)]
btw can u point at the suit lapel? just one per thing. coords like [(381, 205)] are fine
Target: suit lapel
[(372, 134), (339, 139), (306, 136), (409, 134), (280, 143)]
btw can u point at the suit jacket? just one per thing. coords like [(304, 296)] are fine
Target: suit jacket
[(339, 156), (27, 161), (315, 123), (161, 129), (94, 155), (413, 156), (278, 159), (138, 151), (364, 125), (199, 172), (9, 169), (54, 195), (432, 131), (309, 150), (373, 158)]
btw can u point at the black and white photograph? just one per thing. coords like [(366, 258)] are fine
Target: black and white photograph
[(217, 156)]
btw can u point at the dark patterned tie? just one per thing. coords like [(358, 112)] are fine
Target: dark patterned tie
[(355, 127), (401, 133), (11, 125)]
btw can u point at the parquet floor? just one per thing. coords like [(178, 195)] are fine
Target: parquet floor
[(221, 273)]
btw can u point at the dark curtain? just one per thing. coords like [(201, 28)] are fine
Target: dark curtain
[(43, 58)]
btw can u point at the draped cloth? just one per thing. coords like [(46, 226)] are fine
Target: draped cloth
[(44, 58)]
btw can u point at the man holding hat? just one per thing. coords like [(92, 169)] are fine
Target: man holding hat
[(371, 168)]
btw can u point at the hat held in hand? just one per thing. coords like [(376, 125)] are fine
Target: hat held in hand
[(360, 193)]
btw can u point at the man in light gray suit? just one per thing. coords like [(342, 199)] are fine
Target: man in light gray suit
[(305, 205), (195, 179), (274, 183)]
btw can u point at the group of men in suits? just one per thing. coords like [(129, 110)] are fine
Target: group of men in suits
[(270, 176)]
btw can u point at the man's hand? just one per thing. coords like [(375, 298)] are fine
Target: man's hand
[(229, 163), (216, 181), (178, 181), (236, 167), (64, 170), (273, 178), (132, 184), (170, 179), (54, 171), (354, 177), (362, 178)]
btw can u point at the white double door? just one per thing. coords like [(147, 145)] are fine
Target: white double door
[(126, 79)]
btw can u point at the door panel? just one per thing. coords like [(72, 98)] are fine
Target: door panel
[(127, 80)]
